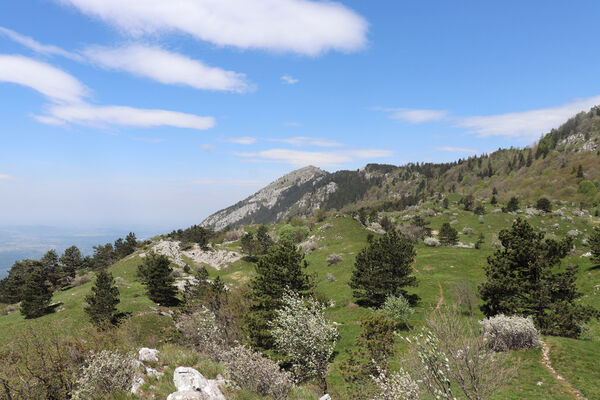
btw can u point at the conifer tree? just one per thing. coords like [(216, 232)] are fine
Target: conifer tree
[(512, 205), (594, 243), (71, 261), (37, 293), (448, 235), (281, 269), (383, 268), (521, 281), (51, 267), (102, 301), (156, 275)]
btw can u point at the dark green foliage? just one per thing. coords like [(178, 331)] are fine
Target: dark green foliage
[(193, 234), (594, 243), (521, 281), (512, 205), (374, 346), (102, 301), (104, 256), (373, 216), (11, 287), (282, 268), (493, 200), (71, 261), (37, 293), (386, 223), (480, 241), (543, 204), (445, 203), (362, 216), (468, 201), (383, 268), (263, 238), (51, 266), (123, 248), (580, 172), (448, 235), (479, 209), (156, 275), (494, 192)]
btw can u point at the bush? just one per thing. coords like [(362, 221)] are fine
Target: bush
[(431, 242), (201, 331), (251, 371), (107, 373), (448, 235), (395, 386), (333, 259), (543, 204), (80, 280), (397, 308), (510, 333)]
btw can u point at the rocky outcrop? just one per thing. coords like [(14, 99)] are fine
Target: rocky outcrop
[(147, 355), (192, 385), (216, 258)]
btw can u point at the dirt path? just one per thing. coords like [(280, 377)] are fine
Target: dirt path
[(441, 300), (548, 364)]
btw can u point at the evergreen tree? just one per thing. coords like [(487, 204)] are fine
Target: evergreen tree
[(445, 203), (448, 235), (263, 238), (383, 268), (494, 191), (250, 245), (103, 256), (102, 301), (529, 158), (282, 268), (521, 281), (494, 200), (512, 205), (594, 243), (37, 294), (51, 267), (71, 261), (468, 201), (543, 204), (580, 172), (156, 275), (11, 287)]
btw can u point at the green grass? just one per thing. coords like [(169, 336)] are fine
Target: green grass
[(576, 360)]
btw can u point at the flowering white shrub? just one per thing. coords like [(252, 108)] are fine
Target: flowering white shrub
[(251, 371), (108, 372), (305, 336), (504, 333), (396, 386), (202, 331), (397, 308), (431, 242)]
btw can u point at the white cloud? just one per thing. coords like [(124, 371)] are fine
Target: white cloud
[(5, 177), (37, 46), (287, 79), (299, 141), (207, 147), (527, 124), (300, 26), (53, 83), (416, 116), (318, 158), (150, 140), (167, 67), (242, 140), (452, 149), (92, 115)]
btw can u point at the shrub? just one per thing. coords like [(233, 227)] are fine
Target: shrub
[(107, 373), (448, 235), (397, 308), (543, 204), (467, 231), (80, 280), (330, 277), (201, 331), (510, 333), (512, 205), (431, 242), (251, 371), (395, 386), (333, 259), (479, 210)]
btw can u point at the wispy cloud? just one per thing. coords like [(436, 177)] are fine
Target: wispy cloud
[(5, 177), (150, 140), (415, 116), (246, 140), (228, 182), (289, 80), (38, 47), (526, 124), (293, 124), (300, 141), (103, 116), (317, 158), (300, 26), (207, 147), (167, 67), (55, 84), (68, 106), (452, 149)]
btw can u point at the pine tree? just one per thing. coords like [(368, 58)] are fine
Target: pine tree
[(383, 268), (282, 268), (512, 205), (37, 294), (71, 261), (102, 301), (521, 281), (594, 243), (263, 238), (156, 274), (51, 267), (448, 235), (580, 172)]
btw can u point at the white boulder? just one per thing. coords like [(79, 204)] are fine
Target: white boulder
[(188, 380), (146, 354)]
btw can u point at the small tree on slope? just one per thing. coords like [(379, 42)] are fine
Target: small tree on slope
[(102, 301), (36, 294), (156, 274)]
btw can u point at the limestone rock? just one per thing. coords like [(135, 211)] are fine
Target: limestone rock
[(146, 354), (188, 380)]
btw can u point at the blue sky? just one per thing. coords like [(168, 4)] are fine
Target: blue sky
[(151, 113)]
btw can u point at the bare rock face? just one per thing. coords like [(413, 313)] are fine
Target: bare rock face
[(191, 385), (146, 354)]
